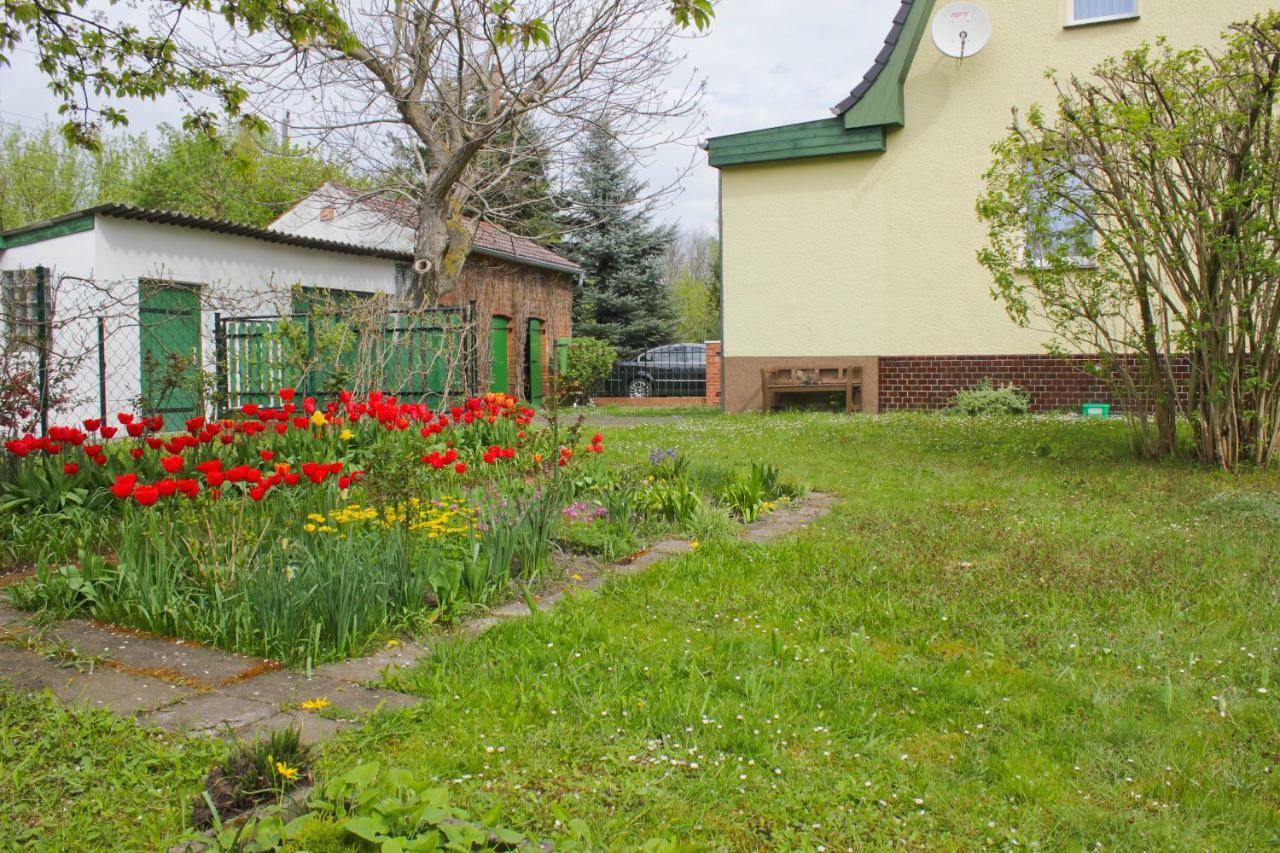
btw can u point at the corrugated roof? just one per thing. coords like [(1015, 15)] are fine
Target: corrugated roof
[(881, 60), (488, 238), (204, 223)]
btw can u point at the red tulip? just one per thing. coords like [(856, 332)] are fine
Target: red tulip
[(92, 449), (292, 479), (125, 418), (134, 429), (17, 448), (461, 467), (92, 424), (597, 438), (109, 431), (135, 452), (156, 423), (71, 468), (123, 486), (286, 394), (146, 495), (155, 443), (281, 429), (167, 487), (258, 493), (266, 455), (343, 482), (100, 459), (214, 478), (172, 464)]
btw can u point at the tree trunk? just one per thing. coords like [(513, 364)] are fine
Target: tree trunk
[(441, 243)]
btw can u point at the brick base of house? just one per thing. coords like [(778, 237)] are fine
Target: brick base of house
[(930, 382), (896, 383)]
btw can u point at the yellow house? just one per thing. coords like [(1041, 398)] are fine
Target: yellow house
[(852, 240)]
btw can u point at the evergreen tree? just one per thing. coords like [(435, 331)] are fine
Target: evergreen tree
[(611, 235)]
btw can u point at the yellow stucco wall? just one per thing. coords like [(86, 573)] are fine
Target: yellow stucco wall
[(875, 254)]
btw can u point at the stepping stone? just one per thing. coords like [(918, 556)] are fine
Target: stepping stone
[(283, 688), (102, 688), (369, 669), (168, 659), (208, 714)]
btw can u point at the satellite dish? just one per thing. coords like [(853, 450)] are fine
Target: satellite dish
[(961, 30)]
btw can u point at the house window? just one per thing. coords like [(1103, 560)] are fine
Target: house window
[(20, 309), (1098, 11), (1062, 227)]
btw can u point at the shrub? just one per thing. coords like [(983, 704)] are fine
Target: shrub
[(589, 363), (986, 399), (252, 774)]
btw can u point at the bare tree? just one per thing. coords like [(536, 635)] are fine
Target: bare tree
[(473, 89)]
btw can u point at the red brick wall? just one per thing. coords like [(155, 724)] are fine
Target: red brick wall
[(930, 382), (714, 372), (519, 293)]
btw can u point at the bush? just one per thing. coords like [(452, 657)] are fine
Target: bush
[(252, 774), (588, 366), (985, 399)]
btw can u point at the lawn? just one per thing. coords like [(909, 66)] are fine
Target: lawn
[(1006, 633)]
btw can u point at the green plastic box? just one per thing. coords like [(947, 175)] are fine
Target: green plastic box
[(1096, 410)]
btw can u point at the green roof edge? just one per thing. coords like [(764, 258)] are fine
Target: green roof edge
[(61, 226), (862, 120), (885, 102)]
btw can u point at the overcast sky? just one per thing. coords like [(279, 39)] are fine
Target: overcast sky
[(766, 62)]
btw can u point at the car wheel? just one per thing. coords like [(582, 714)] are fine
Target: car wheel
[(639, 388)]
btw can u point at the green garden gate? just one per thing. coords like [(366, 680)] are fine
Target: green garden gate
[(169, 344), (423, 356)]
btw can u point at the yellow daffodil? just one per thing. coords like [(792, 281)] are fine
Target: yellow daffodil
[(346, 435), (319, 419)]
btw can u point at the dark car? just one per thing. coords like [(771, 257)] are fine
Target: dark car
[(673, 370)]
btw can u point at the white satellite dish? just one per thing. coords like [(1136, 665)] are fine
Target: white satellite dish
[(961, 30)]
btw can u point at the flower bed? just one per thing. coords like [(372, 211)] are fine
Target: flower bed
[(308, 532), (297, 532)]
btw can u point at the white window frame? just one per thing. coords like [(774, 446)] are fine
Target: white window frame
[(1073, 21)]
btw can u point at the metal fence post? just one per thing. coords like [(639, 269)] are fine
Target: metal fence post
[(311, 354), (102, 369), (42, 348), (222, 378)]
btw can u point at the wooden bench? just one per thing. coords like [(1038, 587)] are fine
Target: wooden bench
[(808, 380)]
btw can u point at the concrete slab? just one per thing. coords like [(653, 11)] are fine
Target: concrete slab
[(208, 713), (514, 610), (313, 729), (283, 690), (168, 659), (11, 615), (367, 670), (102, 688)]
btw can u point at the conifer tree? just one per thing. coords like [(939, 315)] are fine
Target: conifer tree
[(611, 235)]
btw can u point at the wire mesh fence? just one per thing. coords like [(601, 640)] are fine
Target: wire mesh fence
[(67, 353), (673, 370)]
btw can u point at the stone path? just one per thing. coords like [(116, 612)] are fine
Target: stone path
[(184, 687)]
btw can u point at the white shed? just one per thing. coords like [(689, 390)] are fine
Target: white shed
[(110, 273)]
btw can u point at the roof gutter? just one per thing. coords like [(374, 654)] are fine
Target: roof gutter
[(528, 262)]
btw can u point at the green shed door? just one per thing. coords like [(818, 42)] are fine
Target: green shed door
[(169, 338), (498, 332), (533, 360)]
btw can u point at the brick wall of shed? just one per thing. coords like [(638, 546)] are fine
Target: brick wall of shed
[(499, 288)]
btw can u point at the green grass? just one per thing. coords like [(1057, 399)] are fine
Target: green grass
[(82, 779), (1006, 631)]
